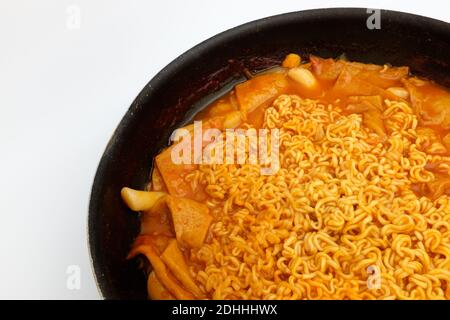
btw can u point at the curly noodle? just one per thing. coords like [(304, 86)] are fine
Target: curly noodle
[(340, 204)]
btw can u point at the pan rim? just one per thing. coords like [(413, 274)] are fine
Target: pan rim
[(187, 57)]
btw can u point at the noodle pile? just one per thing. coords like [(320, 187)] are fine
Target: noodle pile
[(339, 209)]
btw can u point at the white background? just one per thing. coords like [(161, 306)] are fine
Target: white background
[(62, 93)]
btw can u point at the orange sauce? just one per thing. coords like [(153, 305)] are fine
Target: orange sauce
[(353, 87)]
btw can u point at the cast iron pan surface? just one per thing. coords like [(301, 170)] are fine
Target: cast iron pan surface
[(200, 74)]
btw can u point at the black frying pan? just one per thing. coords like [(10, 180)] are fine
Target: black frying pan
[(205, 71)]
